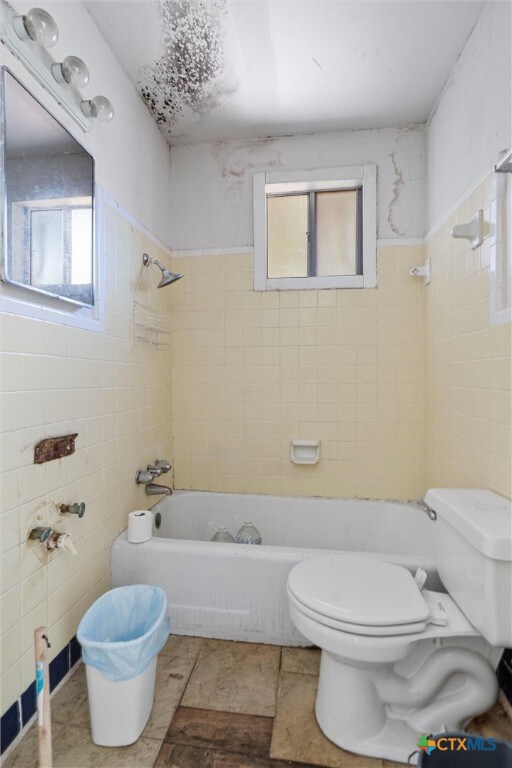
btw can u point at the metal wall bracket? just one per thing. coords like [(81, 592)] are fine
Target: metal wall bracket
[(423, 272), (54, 448)]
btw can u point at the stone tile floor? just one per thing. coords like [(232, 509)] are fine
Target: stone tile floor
[(218, 704)]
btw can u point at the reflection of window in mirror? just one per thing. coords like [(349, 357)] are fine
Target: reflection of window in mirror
[(48, 201)]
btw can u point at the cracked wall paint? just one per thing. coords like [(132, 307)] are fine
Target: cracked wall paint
[(397, 188), (186, 76), (211, 183)]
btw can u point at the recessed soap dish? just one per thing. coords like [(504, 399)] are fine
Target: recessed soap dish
[(305, 451)]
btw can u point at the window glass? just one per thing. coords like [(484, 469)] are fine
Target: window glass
[(46, 227), (287, 233), (336, 233)]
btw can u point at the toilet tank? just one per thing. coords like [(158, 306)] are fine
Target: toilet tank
[(473, 552)]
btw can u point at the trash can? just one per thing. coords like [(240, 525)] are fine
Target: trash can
[(466, 750), (121, 635)]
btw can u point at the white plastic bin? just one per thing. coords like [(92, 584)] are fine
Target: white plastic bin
[(121, 635)]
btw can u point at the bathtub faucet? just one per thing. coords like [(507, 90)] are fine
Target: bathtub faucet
[(153, 489), (146, 477)]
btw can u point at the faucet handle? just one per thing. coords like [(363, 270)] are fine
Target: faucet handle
[(163, 465), (73, 509), (153, 470), (41, 533), (143, 476)]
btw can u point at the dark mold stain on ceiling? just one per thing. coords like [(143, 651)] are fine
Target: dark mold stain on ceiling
[(192, 60)]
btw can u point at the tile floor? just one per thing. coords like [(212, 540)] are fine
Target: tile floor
[(218, 704)]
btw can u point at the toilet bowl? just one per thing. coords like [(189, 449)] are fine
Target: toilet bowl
[(398, 661)]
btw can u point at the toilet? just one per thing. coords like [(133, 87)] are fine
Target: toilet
[(399, 661)]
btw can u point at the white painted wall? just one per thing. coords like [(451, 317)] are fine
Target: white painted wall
[(132, 157), (211, 183), (471, 123)]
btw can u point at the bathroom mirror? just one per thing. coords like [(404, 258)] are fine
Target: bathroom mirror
[(47, 206)]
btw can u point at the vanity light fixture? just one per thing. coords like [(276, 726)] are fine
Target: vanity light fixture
[(28, 38), (72, 70), (37, 25), (99, 108)]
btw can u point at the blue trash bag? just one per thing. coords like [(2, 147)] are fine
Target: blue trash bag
[(123, 630)]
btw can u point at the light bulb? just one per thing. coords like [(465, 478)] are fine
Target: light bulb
[(100, 108), (72, 70), (38, 26)]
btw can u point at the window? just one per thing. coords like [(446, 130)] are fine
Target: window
[(501, 242), (315, 229), (63, 228)]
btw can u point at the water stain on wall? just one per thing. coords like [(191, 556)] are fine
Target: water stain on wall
[(237, 161), (185, 76)]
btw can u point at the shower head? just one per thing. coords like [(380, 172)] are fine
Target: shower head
[(168, 277)]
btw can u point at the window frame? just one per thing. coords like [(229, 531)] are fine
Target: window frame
[(500, 304), (320, 180)]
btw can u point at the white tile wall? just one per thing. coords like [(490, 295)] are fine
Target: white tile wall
[(469, 425), (116, 394), (253, 370)]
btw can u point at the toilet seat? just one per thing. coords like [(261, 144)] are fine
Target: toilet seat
[(358, 595), (357, 629)]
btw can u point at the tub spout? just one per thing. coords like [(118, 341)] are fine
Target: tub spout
[(153, 489)]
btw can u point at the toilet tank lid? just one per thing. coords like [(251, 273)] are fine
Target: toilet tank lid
[(482, 517)]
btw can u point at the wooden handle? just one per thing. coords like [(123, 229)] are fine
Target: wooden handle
[(44, 721)]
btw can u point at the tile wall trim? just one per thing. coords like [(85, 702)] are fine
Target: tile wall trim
[(135, 223), (238, 249), (393, 242), (242, 249)]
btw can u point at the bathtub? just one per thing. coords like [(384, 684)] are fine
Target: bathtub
[(238, 592)]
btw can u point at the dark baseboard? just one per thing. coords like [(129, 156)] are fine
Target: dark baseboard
[(19, 713)]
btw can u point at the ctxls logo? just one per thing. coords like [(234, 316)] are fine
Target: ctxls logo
[(456, 744)]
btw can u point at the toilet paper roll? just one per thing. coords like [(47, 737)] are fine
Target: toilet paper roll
[(140, 526)]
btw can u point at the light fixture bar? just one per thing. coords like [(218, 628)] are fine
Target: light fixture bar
[(39, 63)]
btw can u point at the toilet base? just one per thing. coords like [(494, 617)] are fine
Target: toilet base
[(395, 742), (382, 710), (358, 721)]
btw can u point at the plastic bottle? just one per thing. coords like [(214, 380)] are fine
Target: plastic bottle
[(222, 534), (248, 533)]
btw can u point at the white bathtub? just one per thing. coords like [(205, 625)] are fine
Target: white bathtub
[(238, 592)]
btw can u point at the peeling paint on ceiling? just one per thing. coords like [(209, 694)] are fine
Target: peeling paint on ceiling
[(185, 75)]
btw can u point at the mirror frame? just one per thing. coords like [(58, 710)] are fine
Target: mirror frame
[(4, 230)]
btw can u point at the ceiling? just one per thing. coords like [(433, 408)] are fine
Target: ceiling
[(224, 69)]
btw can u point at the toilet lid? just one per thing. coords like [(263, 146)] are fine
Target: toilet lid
[(358, 590)]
